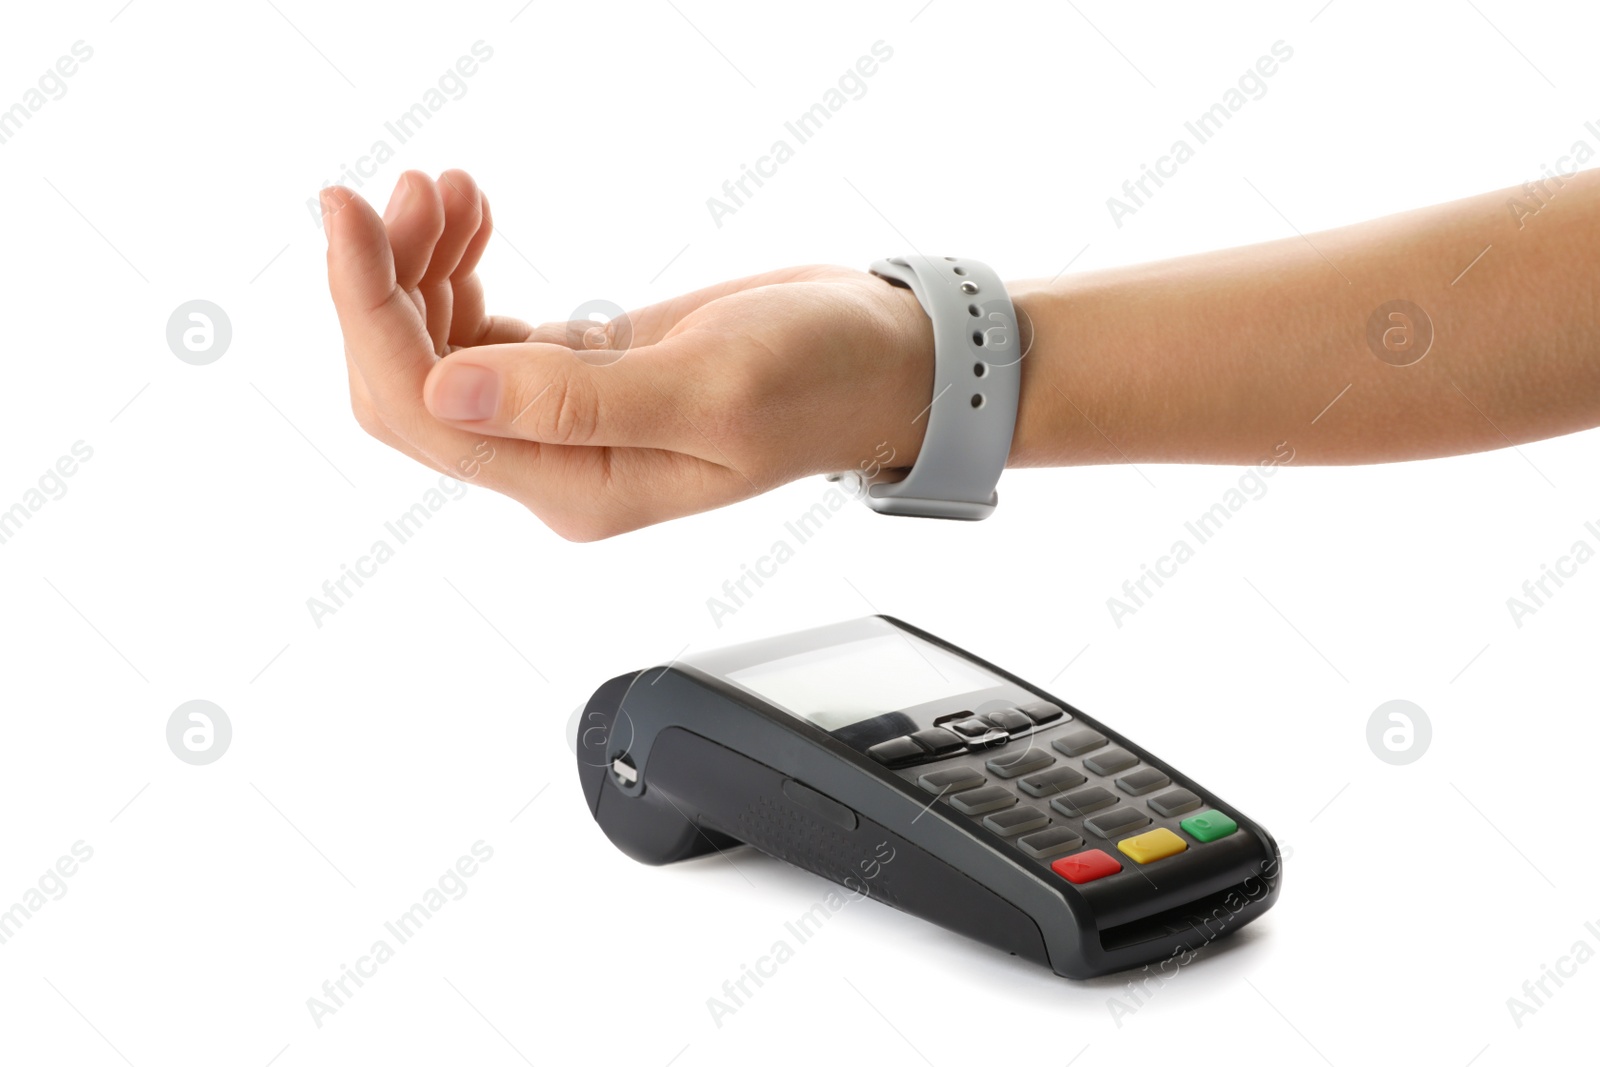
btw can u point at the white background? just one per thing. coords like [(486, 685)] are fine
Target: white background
[(429, 712)]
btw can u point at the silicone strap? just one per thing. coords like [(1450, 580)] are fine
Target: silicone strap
[(977, 354)]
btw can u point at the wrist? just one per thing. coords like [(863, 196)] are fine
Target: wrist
[(1062, 416), (1035, 442)]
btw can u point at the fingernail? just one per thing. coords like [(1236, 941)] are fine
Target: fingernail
[(398, 201), (465, 392)]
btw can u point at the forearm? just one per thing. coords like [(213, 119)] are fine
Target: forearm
[(1217, 358)]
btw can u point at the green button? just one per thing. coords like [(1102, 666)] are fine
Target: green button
[(1208, 825)]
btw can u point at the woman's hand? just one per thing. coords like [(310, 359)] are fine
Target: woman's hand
[(683, 406)]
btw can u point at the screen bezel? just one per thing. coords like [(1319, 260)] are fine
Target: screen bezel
[(892, 722)]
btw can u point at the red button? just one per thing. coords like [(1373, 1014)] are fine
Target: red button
[(1085, 866)]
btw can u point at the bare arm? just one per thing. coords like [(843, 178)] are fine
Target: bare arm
[(727, 392), (1214, 358)]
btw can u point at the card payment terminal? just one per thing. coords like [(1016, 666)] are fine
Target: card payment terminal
[(1009, 815)]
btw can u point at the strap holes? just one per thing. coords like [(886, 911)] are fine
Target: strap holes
[(960, 270), (977, 338), (979, 370), (977, 400), (972, 309)]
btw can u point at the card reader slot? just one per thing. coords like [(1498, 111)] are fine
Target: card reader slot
[(1194, 924)]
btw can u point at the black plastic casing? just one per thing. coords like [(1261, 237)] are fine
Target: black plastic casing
[(717, 767)]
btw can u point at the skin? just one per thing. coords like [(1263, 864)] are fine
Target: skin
[(729, 391)]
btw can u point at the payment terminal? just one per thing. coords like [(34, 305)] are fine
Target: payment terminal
[(908, 770)]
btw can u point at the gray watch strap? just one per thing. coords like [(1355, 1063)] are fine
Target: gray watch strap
[(977, 375)]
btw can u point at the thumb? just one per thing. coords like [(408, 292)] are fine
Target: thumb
[(551, 394)]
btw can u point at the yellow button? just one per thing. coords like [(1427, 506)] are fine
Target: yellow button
[(1152, 846)]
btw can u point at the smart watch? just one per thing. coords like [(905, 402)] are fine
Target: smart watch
[(977, 352)]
